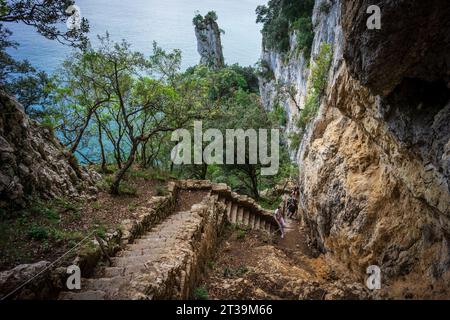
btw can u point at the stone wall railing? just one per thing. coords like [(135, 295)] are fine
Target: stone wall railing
[(241, 210), (219, 206)]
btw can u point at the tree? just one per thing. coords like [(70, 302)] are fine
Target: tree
[(114, 92), (280, 18), (81, 92), (46, 16), (19, 78)]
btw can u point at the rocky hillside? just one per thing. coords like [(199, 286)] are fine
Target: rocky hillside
[(375, 158), (33, 162)]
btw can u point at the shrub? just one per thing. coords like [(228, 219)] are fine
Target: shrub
[(280, 17), (201, 293), (305, 35), (241, 234), (318, 83), (319, 72), (278, 116), (160, 190), (41, 209), (127, 189), (37, 232)]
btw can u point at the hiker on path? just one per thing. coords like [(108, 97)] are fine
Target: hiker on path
[(292, 204), (278, 215)]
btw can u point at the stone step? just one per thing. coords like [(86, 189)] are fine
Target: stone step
[(111, 272), (133, 260), (109, 285), (142, 252), (83, 295)]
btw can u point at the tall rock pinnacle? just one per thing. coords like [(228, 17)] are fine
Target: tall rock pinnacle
[(209, 45)]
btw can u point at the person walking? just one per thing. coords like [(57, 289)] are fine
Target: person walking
[(292, 204), (278, 215)]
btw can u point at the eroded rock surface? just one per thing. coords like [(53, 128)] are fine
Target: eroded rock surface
[(33, 162), (209, 44), (374, 162)]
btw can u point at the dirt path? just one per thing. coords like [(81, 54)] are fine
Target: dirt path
[(252, 265), (294, 238)]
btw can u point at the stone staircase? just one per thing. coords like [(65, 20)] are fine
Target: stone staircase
[(167, 261)]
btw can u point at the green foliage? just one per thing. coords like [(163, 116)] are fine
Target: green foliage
[(280, 18), (127, 189), (160, 190), (200, 21), (319, 72), (201, 293), (37, 232), (305, 35), (318, 83), (96, 205), (19, 78), (295, 140), (41, 209), (264, 70), (278, 116), (269, 203), (241, 234), (101, 231)]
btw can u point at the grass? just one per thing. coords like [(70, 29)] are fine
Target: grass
[(241, 234), (132, 207), (201, 293), (127, 189), (96, 205), (39, 229), (160, 190), (37, 232)]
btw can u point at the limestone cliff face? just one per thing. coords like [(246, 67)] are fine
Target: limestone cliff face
[(374, 163), (291, 70), (33, 162), (209, 44)]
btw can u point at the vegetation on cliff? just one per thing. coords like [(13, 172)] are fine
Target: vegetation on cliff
[(280, 18), (317, 85)]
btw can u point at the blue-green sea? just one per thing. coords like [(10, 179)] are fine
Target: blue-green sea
[(140, 22)]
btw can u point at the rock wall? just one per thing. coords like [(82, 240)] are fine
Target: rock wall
[(33, 162), (209, 44), (374, 163), (292, 70)]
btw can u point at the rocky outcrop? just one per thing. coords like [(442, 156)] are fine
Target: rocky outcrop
[(209, 44), (33, 162), (374, 162), (416, 32)]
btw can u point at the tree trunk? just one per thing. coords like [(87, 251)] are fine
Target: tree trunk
[(114, 189), (104, 169), (144, 163), (80, 134), (118, 154), (204, 171), (254, 180)]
